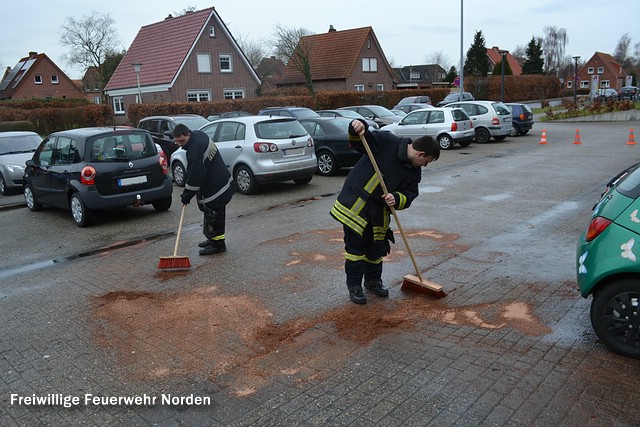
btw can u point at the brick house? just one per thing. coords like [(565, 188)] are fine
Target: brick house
[(343, 60), (600, 71), (419, 76), (495, 57), (190, 58), (37, 76), (92, 85)]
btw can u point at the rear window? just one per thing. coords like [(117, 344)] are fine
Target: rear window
[(501, 109), (121, 147), (629, 184), (459, 115), (279, 129)]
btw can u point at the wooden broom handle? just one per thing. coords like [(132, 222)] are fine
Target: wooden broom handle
[(175, 249), (391, 208)]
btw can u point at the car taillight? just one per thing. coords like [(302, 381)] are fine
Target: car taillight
[(471, 124), (454, 127), (495, 121), (597, 226), (264, 147), (163, 163), (522, 116), (88, 175)]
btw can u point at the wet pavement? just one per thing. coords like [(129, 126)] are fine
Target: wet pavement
[(265, 335)]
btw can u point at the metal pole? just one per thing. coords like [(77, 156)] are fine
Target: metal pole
[(575, 80), (461, 57), (137, 67), (502, 85)]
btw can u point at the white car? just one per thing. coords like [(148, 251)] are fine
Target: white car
[(257, 150), (16, 147), (489, 118)]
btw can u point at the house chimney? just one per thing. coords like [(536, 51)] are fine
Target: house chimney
[(170, 16), (33, 54), (331, 29)]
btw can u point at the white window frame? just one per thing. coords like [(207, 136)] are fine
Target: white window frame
[(584, 84), (54, 79), (600, 70), (118, 105), (198, 95), (234, 93), (212, 32), (225, 58), (605, 84), (590, 70), (203, 62), (37, 79), (97, 100), (569, 84), (370, 65), (380, 87), (358, 88)]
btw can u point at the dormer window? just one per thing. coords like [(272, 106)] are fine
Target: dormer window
[(37, 79), (212, 31), (54, 80)]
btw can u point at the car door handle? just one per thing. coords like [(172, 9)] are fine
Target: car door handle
[(238, 147)]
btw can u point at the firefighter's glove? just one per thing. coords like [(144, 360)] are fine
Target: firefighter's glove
[(186, 197), (388, 239)]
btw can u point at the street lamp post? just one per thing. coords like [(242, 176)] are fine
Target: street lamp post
[(503, 53), (136, 67), (575, 80)]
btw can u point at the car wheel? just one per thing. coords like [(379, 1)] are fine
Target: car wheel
[(179, 174), (524, 132), (465, 143), (515, 131), (615, 316), (303, 181), (162, 204), (30, 199), (445, 142), (327, 164), (245, 181), (500, 138), (482, 135), (81, 215)]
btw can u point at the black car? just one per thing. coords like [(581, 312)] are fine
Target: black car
[(161, 128), (297, 112), (349, 114), (330, 137), (90, 169), (521, 118), (455, 97)]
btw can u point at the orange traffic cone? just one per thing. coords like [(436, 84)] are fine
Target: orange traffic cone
[(632, 139), (543, 139), (577, 138)]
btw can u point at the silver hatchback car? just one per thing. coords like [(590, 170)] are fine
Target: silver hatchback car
[(489, 118), (447, 125), (258, 150)]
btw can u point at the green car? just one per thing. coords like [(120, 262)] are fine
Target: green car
[(608, 267)]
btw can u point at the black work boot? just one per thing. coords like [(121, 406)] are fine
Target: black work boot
[(213, 248), (356, 295), (376, 287), (204, 243)]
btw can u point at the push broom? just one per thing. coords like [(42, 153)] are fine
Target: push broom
[(175, 261), (414, 282)]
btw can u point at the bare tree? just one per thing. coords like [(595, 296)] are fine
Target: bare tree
[(621, 52), (184, 11), (254, 51), (89, 39), (440, 58), (519, 53), (291, 47), (553, 45)]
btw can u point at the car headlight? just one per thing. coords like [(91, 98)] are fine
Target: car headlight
[(15, 169)]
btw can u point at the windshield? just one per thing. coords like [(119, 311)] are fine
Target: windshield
[(350, 113), (121, 147), (380, 111), (451, 97), (192, 122), (305, 113), (19, 143)]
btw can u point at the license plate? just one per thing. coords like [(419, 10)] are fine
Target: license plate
[(132, 181), (293, 151)]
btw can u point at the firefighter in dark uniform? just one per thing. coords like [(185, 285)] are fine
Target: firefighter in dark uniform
[(209, 179), (362, 208)]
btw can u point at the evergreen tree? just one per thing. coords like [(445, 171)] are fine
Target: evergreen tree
[(451, 75), (497, 69), (535, 62), (477, 62)]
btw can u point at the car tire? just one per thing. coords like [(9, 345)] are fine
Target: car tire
[(465, 143), (179, 173), (162, 204), (3, 186), (326, 163), (500, 138), (445, 142), (482, 136), (524, 132), (245, 180), (303, 181), (515, 130), (79, 212), (615, 316), (30, 199)]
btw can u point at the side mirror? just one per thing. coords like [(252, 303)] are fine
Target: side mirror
[(30, 163), (168, 134)]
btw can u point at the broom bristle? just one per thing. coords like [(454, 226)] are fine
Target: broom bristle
[(414, 283), (170, 262)]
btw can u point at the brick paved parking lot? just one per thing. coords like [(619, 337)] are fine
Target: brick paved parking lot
[(265, 334)]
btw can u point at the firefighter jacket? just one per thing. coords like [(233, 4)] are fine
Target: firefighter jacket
[(207, 175), (360, 200)]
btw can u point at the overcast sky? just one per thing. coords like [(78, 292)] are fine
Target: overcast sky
[(409, 32)]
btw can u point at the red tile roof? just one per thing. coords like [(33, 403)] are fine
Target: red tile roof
[(333, 54), (161, 48), (495, 57)]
